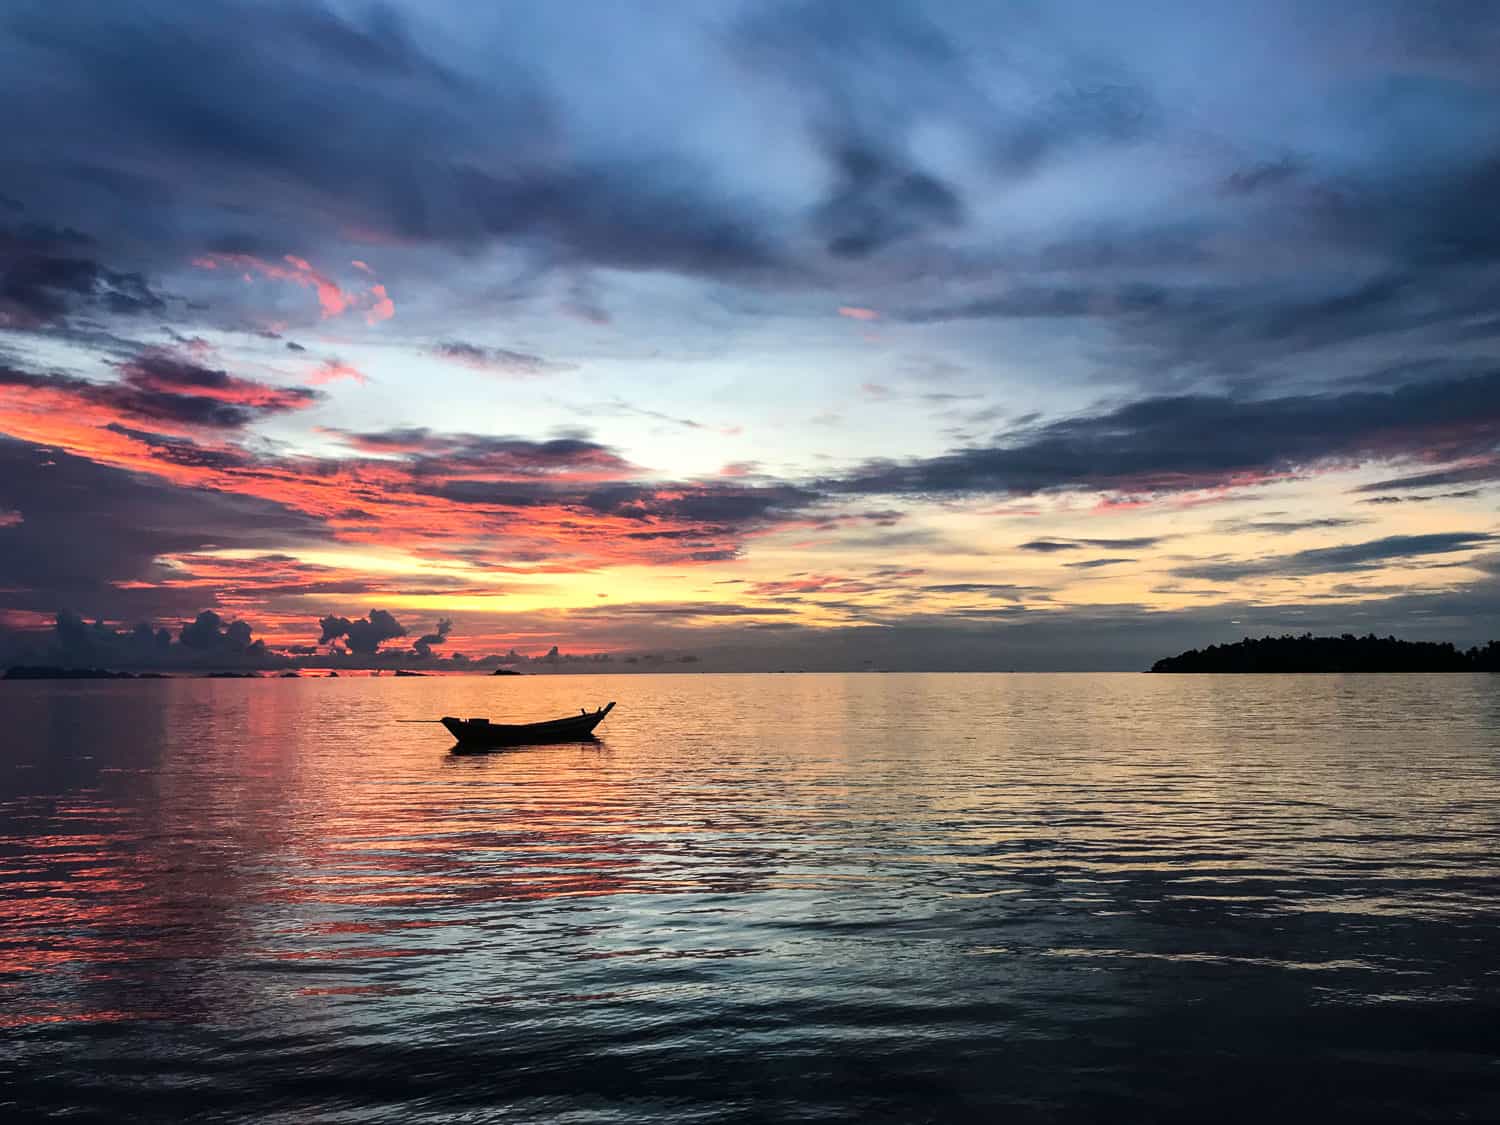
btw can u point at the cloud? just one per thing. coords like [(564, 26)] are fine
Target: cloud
[(1262, 176), (331, 370), (491, 457), (678, 610), (157, 387), (1050, 546), (1287, 527), (1369, 555), (44, 280), (1460, 494), (1186, 442), (422, 646), (208, 632), (380, 307), (714, 503), (363, 635), (500, 361), (208, 641), (89, 535), (408, 150), (333, 300), (1483, 468), (878, 200), (1003, 590)]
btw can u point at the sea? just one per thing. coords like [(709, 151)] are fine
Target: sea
[(873, 897)]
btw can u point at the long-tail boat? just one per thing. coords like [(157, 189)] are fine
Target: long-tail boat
[(478, 733)]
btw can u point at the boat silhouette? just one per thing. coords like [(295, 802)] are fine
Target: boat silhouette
[(480, 733)]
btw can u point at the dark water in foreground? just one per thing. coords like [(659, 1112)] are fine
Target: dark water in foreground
[(758, 898)]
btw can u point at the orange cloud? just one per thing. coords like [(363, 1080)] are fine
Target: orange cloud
[(157, 389)]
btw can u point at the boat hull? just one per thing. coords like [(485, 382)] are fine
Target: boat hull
[(479, 734)]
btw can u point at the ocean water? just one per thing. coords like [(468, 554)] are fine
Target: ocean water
[(756, 898)]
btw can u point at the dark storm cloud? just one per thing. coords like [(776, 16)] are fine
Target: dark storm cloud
[(1198, 441), (1369, 555)]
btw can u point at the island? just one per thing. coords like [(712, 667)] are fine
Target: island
[(1348, 653), (50, 672)]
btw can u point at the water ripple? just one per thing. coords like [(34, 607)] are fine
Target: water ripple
[(804, 897)]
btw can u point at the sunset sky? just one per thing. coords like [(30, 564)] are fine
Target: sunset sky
[(833, 334)]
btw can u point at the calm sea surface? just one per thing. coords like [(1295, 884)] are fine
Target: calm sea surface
[(788, 897)]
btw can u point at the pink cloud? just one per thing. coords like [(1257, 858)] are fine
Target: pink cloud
[(383, 309), (854, 312), (331, 370), (333, 300)]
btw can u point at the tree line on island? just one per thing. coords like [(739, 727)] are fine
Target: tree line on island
[(1348, 653)]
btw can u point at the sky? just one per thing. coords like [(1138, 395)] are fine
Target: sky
[(840, 334)]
